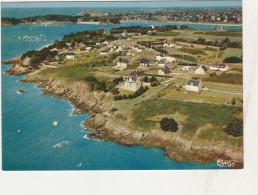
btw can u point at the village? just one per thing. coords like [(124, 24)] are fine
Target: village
[(135, 61), (143, 70)]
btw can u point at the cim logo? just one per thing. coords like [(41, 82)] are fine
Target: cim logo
[(226, 163)]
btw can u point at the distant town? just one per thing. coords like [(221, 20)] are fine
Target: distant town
[(190, 15)]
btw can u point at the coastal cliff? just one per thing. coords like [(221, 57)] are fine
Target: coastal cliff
[(107, 127), (175, 147)]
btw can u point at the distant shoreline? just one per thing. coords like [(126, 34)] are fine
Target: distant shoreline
[(124, 21), (170, 22)]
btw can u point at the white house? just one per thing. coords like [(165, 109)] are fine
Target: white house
[(170, 59), (160, 57), (201, 70), (132, 83), (171, 45), (105, 42), (164, 57), (187, 68), (193, 85), (88, 48), (124, 34), (120, 48), (162, 63), (144, 63), (164, 71), (103, 52), (220, 67), (122, 63), (70, 55)]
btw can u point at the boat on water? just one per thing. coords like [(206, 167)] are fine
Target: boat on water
[(55, 123)]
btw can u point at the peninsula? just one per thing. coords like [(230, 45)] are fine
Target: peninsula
[(177, 89)]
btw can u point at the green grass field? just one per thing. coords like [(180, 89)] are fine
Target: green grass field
[(229, 52), (226, 78), (185, 57), (168, 33), (198, 114), (225, 33)]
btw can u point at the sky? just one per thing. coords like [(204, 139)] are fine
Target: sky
[(177, 3)]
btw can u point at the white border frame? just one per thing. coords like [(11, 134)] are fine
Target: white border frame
[(194, 182)]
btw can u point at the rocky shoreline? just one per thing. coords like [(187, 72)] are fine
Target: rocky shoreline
[(106, 127)]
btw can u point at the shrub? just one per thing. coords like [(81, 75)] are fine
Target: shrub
[(232, 59), (168, 124), (235, 127)]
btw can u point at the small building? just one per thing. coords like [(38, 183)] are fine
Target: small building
[(70, 55), (164, 57), (220, 67), (170, 59), (160, 57), (103, 52), (193, 85), (164, 71), (119, 49), (132, 83), (122, 63), (187, 68), (144, 63), (201, 70), (162, 63), (220, 28), (105, 43), (171, 45), (124, 34)]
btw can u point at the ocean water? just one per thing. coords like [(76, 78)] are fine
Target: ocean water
[(28, 133)]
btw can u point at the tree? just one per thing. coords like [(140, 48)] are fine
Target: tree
[(232, 59), (168, 124), (235, 127)]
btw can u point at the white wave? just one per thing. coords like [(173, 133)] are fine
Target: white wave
[(86, 137), (79, 165), (61, 144)]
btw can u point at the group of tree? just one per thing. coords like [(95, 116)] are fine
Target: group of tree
[(136, 94), (106, 86), (55, 17), (223, 44), (153, 80), (161, 50), (37, 57), (168, 124), (10, 21), (142, 29), (88, 37), (232, 59)]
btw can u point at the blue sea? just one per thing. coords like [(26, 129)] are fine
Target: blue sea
[(28, 133)]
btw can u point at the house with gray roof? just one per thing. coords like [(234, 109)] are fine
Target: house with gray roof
[(220, 67), (132, 82), (70, 55), (193, 85), (144, 63), (122, 63), (164, 71), (201, 70)]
